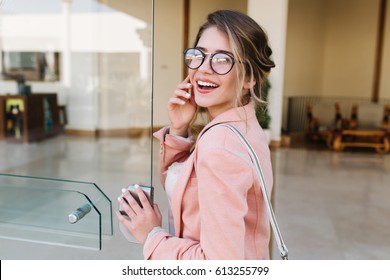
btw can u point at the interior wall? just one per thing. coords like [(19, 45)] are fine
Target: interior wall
[(350, 45), (305, 47), (384, 89), (331, 48), (168, 40), (199, 9)]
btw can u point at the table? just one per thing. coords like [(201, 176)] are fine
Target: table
[(377, 139)]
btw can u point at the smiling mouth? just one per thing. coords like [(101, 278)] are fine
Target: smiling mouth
[(207, 85)]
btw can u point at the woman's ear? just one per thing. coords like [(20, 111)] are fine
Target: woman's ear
[(249, 83)]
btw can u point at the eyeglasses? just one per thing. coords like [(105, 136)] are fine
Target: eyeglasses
[(220, 62)]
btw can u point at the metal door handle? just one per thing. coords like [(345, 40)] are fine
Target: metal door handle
[(77, 215)]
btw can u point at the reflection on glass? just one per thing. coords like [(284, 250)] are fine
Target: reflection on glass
[(31, 66)]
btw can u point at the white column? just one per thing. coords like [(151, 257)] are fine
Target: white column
[(272, 16), (1, 38), (1, 42), (144, 60), (66, 52)]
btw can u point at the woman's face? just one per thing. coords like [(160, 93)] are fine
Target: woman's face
[(212, 91)]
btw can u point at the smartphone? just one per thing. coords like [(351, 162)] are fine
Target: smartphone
[(149, 192)]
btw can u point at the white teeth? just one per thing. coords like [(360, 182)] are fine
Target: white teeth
[(207, 84)]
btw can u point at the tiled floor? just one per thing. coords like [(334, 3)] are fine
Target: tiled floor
[(329, 205)]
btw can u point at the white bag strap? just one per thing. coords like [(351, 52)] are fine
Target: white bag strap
[(278, 236)]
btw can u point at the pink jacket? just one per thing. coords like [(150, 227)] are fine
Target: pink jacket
[(217, 204)]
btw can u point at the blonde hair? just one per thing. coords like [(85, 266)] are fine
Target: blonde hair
[(249, 44), (252, 53)]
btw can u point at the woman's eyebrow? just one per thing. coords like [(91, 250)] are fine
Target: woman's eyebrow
[(216, 51)]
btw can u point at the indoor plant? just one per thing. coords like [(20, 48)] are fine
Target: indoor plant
[(262, 113)]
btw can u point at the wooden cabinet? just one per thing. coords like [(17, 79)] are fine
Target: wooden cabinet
[(29, 118)]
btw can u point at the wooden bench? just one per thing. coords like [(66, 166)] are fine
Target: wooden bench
[(377, 139)]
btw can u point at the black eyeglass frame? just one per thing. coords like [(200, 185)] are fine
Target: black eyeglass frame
[(210, 59)]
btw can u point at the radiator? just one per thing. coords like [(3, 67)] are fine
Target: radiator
[(369, 114)]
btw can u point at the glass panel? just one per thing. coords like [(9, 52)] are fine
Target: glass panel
[(66, 213), (99, 56)]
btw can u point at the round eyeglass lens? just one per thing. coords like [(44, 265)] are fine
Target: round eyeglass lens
[(193, 58), (222, 63)]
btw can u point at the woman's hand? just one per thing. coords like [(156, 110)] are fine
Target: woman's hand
[(141, 219), (181, 108)]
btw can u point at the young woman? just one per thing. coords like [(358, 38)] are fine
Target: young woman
[(216, 201)]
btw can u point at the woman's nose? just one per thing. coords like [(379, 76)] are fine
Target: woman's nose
[(206, 66)]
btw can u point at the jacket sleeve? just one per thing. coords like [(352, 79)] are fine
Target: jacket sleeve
[(224, 178), (163, 246), (172, 149)]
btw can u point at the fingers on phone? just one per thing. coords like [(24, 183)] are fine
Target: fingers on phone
[(142, 197), (176, 100), (181, 95), (131, 201)]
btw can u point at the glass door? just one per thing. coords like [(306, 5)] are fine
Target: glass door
[(96, 56), (58, 212)]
